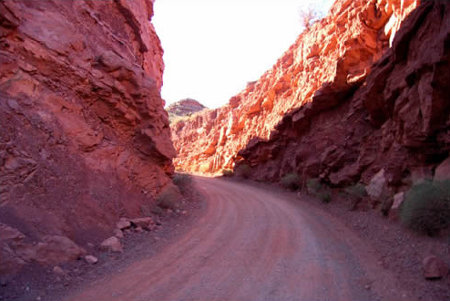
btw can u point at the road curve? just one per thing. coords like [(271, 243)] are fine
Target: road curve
[(253, 244)]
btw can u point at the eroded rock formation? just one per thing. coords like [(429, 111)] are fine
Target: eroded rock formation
[(395, 125), (84, 137), (324, 66)]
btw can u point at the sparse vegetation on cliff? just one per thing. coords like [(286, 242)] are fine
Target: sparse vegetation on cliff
[(308, 16)]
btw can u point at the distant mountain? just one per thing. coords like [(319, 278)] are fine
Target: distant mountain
[(184, 108)]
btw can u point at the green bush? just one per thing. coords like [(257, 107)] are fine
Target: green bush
[(168, 199), (183, 181), (227, 173), (319, 190), (426, 207), (355, 194), (313, 186), (325, 196), (357, 191), (290, 181), (243, 170)]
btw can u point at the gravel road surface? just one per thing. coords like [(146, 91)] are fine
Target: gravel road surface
[(253, 244)]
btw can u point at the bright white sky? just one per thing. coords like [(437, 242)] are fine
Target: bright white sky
[(213, 48)]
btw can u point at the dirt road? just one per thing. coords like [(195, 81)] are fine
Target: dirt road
[(253, 244)]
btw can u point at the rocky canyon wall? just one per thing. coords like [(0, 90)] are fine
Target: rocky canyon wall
[(84, 137), (321, 69), (395, 124)]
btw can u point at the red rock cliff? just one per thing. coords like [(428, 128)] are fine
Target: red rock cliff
[(331, 58), (84, 137), (396, 121)]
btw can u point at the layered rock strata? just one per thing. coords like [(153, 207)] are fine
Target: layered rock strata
[(331, 58), (84, 137)]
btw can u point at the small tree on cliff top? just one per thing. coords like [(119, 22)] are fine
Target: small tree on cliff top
[(308, 16)]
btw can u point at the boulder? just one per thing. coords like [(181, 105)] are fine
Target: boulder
[(377, 186), (91, 259), (8, 233), (58, 271), (398, 200), (145, 223), (112, 244), (123, 223), (10, 263), (138, 230), (442, 172), (434, 268), (57, 249), (118, 233)]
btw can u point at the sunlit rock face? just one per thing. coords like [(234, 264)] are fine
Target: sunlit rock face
[(396, 120), (84, 137), (333, 57)]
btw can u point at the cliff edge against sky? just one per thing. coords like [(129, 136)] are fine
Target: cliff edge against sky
[(332, 57)]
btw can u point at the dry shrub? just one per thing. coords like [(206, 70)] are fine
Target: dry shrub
[(243, 171), (183, 181), (313, 186), (227, 173), (169, 198), (319, 190), (308, 16), (290, 181), (426, 207), (355, 193)]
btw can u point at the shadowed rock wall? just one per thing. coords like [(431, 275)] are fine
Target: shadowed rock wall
[(84, 137)]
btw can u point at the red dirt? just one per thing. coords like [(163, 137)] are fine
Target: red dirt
[(254, 243), (37, 281), (257, 242)]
